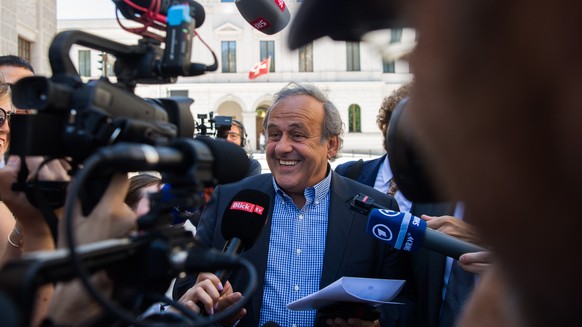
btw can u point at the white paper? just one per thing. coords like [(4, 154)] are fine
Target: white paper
[(351, 289)]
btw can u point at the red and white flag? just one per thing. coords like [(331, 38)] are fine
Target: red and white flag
[(260, 68)]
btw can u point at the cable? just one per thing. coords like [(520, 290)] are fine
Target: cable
[(93, 162)]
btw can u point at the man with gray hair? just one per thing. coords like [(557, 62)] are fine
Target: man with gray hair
[(312, 238)]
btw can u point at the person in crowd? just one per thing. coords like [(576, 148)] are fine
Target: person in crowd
[(238, 135), (7, 222), (140, 187), (497, 110), (432, 270), (30, 231), (313, 237), (13, 68)]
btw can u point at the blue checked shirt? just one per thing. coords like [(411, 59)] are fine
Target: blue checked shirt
[(295, 259)]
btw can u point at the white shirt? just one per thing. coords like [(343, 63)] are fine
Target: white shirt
[(383, 182)]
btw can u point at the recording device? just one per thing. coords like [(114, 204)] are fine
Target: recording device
[(75, 118), (218, 126), (207, 160), (146, 262), (406, 232), (104, 128), (222, 126), (267, 16), (243, 221)]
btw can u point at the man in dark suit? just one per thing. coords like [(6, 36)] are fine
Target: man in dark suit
[(312, 238), (430, 268)]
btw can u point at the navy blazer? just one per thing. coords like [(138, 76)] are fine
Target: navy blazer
[(428, 266), (349, 250)]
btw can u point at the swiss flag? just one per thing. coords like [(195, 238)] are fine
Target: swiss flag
[(260, 68)]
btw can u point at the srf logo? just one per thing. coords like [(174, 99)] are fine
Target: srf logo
[(280, 4), (260, 23), (246, 206)]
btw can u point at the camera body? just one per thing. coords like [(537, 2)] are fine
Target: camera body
[(73, 118)]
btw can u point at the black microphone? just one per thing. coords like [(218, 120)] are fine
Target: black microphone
[(267, 16), (406, 232), (129, 12), (212, 161), (243, 222)]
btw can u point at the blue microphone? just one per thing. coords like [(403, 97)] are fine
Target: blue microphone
[(406, 232)]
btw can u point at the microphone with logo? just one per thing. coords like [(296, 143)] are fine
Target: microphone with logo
[(243, 222), (406, 232), (267, 16)]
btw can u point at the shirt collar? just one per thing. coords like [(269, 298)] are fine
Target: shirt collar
[(385, 172), (312, 193)]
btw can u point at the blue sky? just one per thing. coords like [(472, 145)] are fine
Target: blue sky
[(85, 9)]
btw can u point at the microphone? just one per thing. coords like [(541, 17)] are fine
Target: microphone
[(243, 220), (406, 232), (267, 16), (242, 223), (140, 7)]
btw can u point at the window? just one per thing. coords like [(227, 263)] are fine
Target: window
[(268, 50), (24, 48), (110, 64), (229, 56), (85, 63), (353, 56), (178, 93), (354, 119), (395, 37), (388, 66), (306, 58)]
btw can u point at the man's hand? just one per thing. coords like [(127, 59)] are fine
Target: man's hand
[(476, 262), (453, 226), (209, 292)]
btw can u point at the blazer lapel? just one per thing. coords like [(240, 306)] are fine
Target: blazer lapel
[(257, 255), (338, 230)]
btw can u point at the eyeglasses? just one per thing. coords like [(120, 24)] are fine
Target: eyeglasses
[(233, 136), (4, 116)]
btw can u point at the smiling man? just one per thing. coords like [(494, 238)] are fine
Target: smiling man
[(312, 238)]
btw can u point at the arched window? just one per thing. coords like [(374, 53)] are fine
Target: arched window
[(354, 118)]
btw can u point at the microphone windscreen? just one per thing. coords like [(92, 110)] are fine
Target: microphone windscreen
[(245, 216), (267, 16), (402, 230), (231, 162), (196, 9)]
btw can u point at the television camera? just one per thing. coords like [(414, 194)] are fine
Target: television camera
[(103, 127), (218, 126)]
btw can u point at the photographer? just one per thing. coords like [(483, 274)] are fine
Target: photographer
[(238, 135)]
